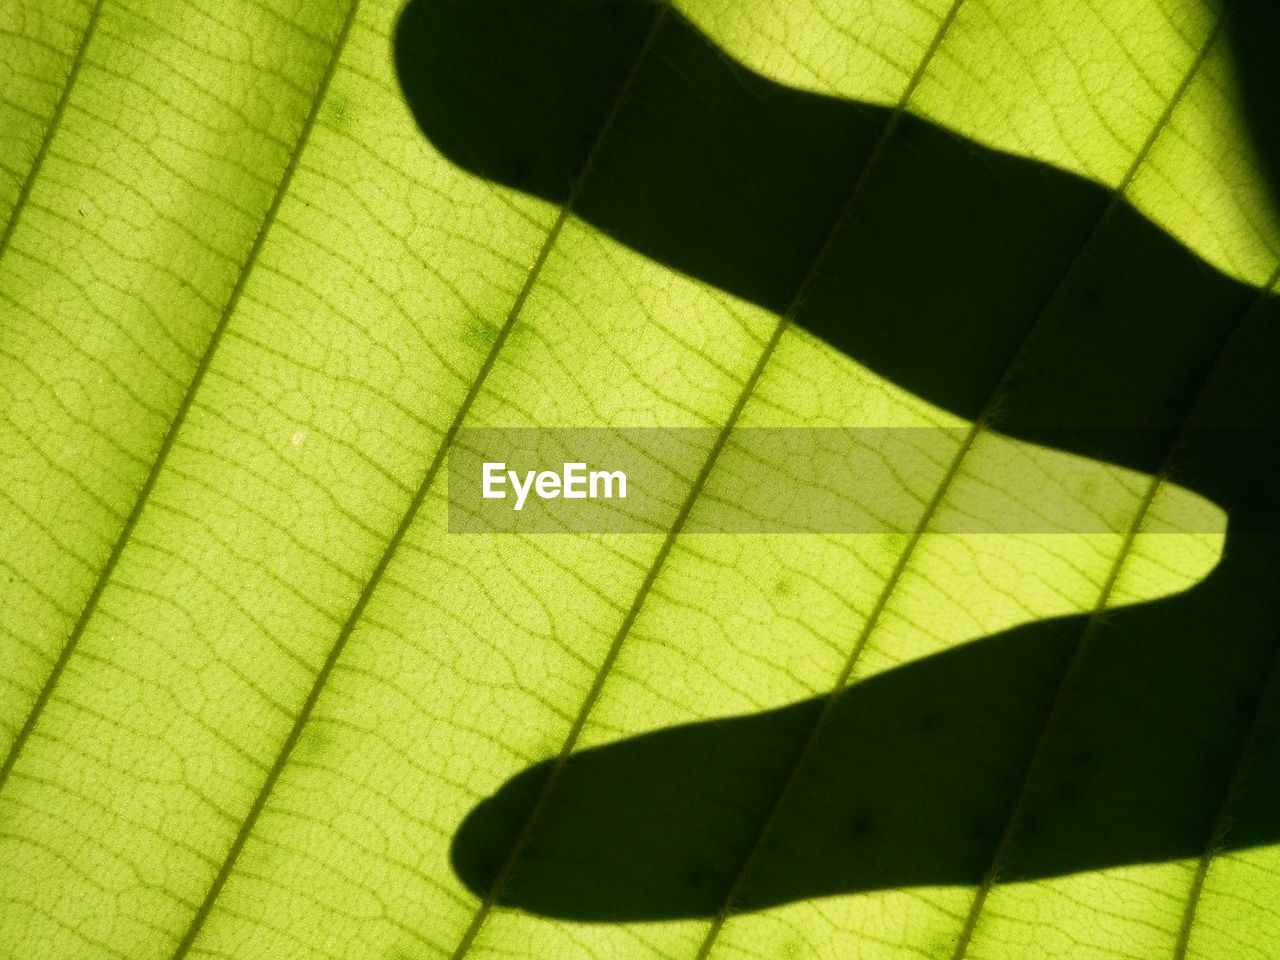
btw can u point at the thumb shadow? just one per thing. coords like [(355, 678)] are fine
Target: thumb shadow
[(952, 255), (913, 776)]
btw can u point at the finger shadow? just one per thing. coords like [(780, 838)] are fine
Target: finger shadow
[(953, 254)]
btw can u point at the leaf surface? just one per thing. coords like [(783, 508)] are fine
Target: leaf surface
[(264, 260)]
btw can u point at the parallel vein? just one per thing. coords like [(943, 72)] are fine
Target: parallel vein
[(981, 423), (370, 586), (1037, 755), (180, 415), (406, 521), (784, 321), (50, 131), (1221, 825)]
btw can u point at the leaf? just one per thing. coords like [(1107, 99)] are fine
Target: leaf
[(263, 261)]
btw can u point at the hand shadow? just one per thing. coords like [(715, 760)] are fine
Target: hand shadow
[(950, 257)]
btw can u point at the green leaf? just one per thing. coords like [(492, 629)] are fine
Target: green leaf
[(263, 261)]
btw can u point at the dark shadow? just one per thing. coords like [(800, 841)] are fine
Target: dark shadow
[(912, 779), (951, 255), (1253, 29)]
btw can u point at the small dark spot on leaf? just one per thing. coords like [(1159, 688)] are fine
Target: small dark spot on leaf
[(1030, 827), (1091, 300), (1214, 763), (481, 333), (699, 880), (980, 829), (336, 108)]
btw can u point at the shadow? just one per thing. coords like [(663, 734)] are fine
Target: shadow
[(912, 778), (952, 254), (1252, 30)]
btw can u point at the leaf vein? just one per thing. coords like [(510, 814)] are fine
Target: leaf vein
[(55, 120), (184, 407)]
